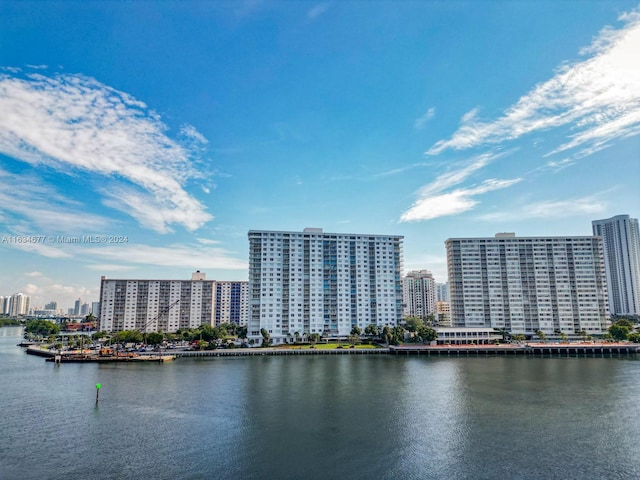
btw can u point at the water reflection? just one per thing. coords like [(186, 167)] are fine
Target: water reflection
[(318, 417)]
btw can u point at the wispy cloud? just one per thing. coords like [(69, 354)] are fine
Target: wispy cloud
[(75, 123), (553, 209), (597, 98), (436, 199), (43, 209), (420, 123), (317, 10)]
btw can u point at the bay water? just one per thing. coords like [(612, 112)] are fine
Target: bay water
[(319, 417)]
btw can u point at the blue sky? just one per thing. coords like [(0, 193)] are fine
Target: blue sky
[(182, 125)]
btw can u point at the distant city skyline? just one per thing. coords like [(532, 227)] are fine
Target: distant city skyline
[(150, 153)]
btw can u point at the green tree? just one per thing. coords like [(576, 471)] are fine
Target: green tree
[(99, 335), (426, 334), (618, 331), (356, 330), (563, 336), (387, 335), (372, 330), (129, 336), (266, 338), (155, 338), (353, 339), (541, 335), (634, 337), (397, 335), (518, 338), (625, 322), (314, 338), (43, 328), (413, 323)]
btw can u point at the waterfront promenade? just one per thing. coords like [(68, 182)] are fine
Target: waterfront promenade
[(526, 349)]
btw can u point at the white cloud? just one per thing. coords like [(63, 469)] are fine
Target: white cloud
[(75, 123), (420, 123), (435, 201), (597, 98), (452, 203)]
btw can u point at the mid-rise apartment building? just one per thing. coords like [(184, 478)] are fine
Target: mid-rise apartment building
[(419, 294), (169, 305), (524, 284), (621, 247), (327, 283)]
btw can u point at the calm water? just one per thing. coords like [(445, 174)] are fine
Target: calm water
[(320, 417)]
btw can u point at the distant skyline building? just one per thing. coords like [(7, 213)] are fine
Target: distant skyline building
[(4, 305), (51, 306), (150, 305), (419, 294), (76, 308), (443, 314), (523, 284), (326, 283), (19, 304), (95, 309), (442, 292), (621, 247)]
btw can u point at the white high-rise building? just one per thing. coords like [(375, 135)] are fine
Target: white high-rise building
[(419, 294), (326, 283), (4, 305), (19, 304), (528, 284), (168, 305), (621, 246)]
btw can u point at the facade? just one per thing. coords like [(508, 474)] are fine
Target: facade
[(4, 305), (95, 309), (442, 292), (161, 305), (528, 284), (621, 247), (419, 294), (18, 304), (51, 306), (326, 283), (443, 314), (231, 303)]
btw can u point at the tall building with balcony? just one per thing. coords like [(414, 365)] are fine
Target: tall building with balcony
[(524, 284), (621, 247), (231, 303), (419, 294), (327, 283), (167, 305)]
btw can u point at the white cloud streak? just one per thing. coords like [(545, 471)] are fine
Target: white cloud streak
[(435, 201), (598, 98), (73, 122), (420, 123)]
